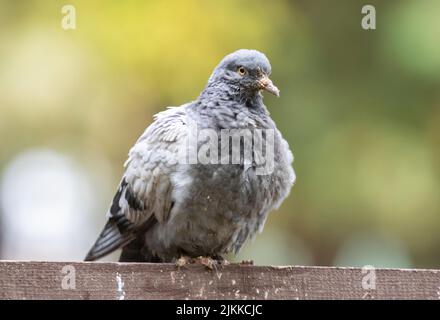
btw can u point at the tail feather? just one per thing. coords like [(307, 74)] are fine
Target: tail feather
[(111, 239), (117, 233)]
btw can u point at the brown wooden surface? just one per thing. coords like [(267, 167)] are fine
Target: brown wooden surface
[(42, 280)]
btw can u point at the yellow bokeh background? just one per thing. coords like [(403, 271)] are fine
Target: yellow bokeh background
[(360, 109)]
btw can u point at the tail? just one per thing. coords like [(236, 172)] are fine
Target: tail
[(117, 233)]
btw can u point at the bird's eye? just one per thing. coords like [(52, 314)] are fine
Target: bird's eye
[(241, 71)]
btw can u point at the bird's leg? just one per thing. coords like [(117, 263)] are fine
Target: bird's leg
[(183, 261)]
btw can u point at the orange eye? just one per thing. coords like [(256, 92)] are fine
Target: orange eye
[(241, 71)]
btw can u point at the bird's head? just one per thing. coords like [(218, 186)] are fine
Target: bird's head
[(247, 70)]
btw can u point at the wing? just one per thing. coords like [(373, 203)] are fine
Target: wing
[(144, 194)]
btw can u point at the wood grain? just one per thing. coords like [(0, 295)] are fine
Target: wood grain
[(43, 280)]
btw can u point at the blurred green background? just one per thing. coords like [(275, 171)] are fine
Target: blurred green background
[(360, 109)]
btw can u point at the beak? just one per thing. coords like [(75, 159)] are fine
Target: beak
[(267, 84)]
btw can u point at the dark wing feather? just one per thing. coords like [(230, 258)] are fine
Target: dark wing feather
[(118, 230)]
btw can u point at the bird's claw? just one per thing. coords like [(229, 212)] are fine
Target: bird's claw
[(183, 261), (209, 262), (212, 262)]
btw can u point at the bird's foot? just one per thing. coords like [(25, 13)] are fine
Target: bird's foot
[(247, 262), (212, 262), (183, 261), (208, 262)]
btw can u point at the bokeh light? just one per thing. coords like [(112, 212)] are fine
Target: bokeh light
[(46, 204)]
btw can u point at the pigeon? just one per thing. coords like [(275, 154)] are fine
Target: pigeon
[(169, 207)]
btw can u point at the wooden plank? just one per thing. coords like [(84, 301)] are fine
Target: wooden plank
[(44, 280)]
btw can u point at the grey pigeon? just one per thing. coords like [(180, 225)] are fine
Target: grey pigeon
[(166, 208)]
